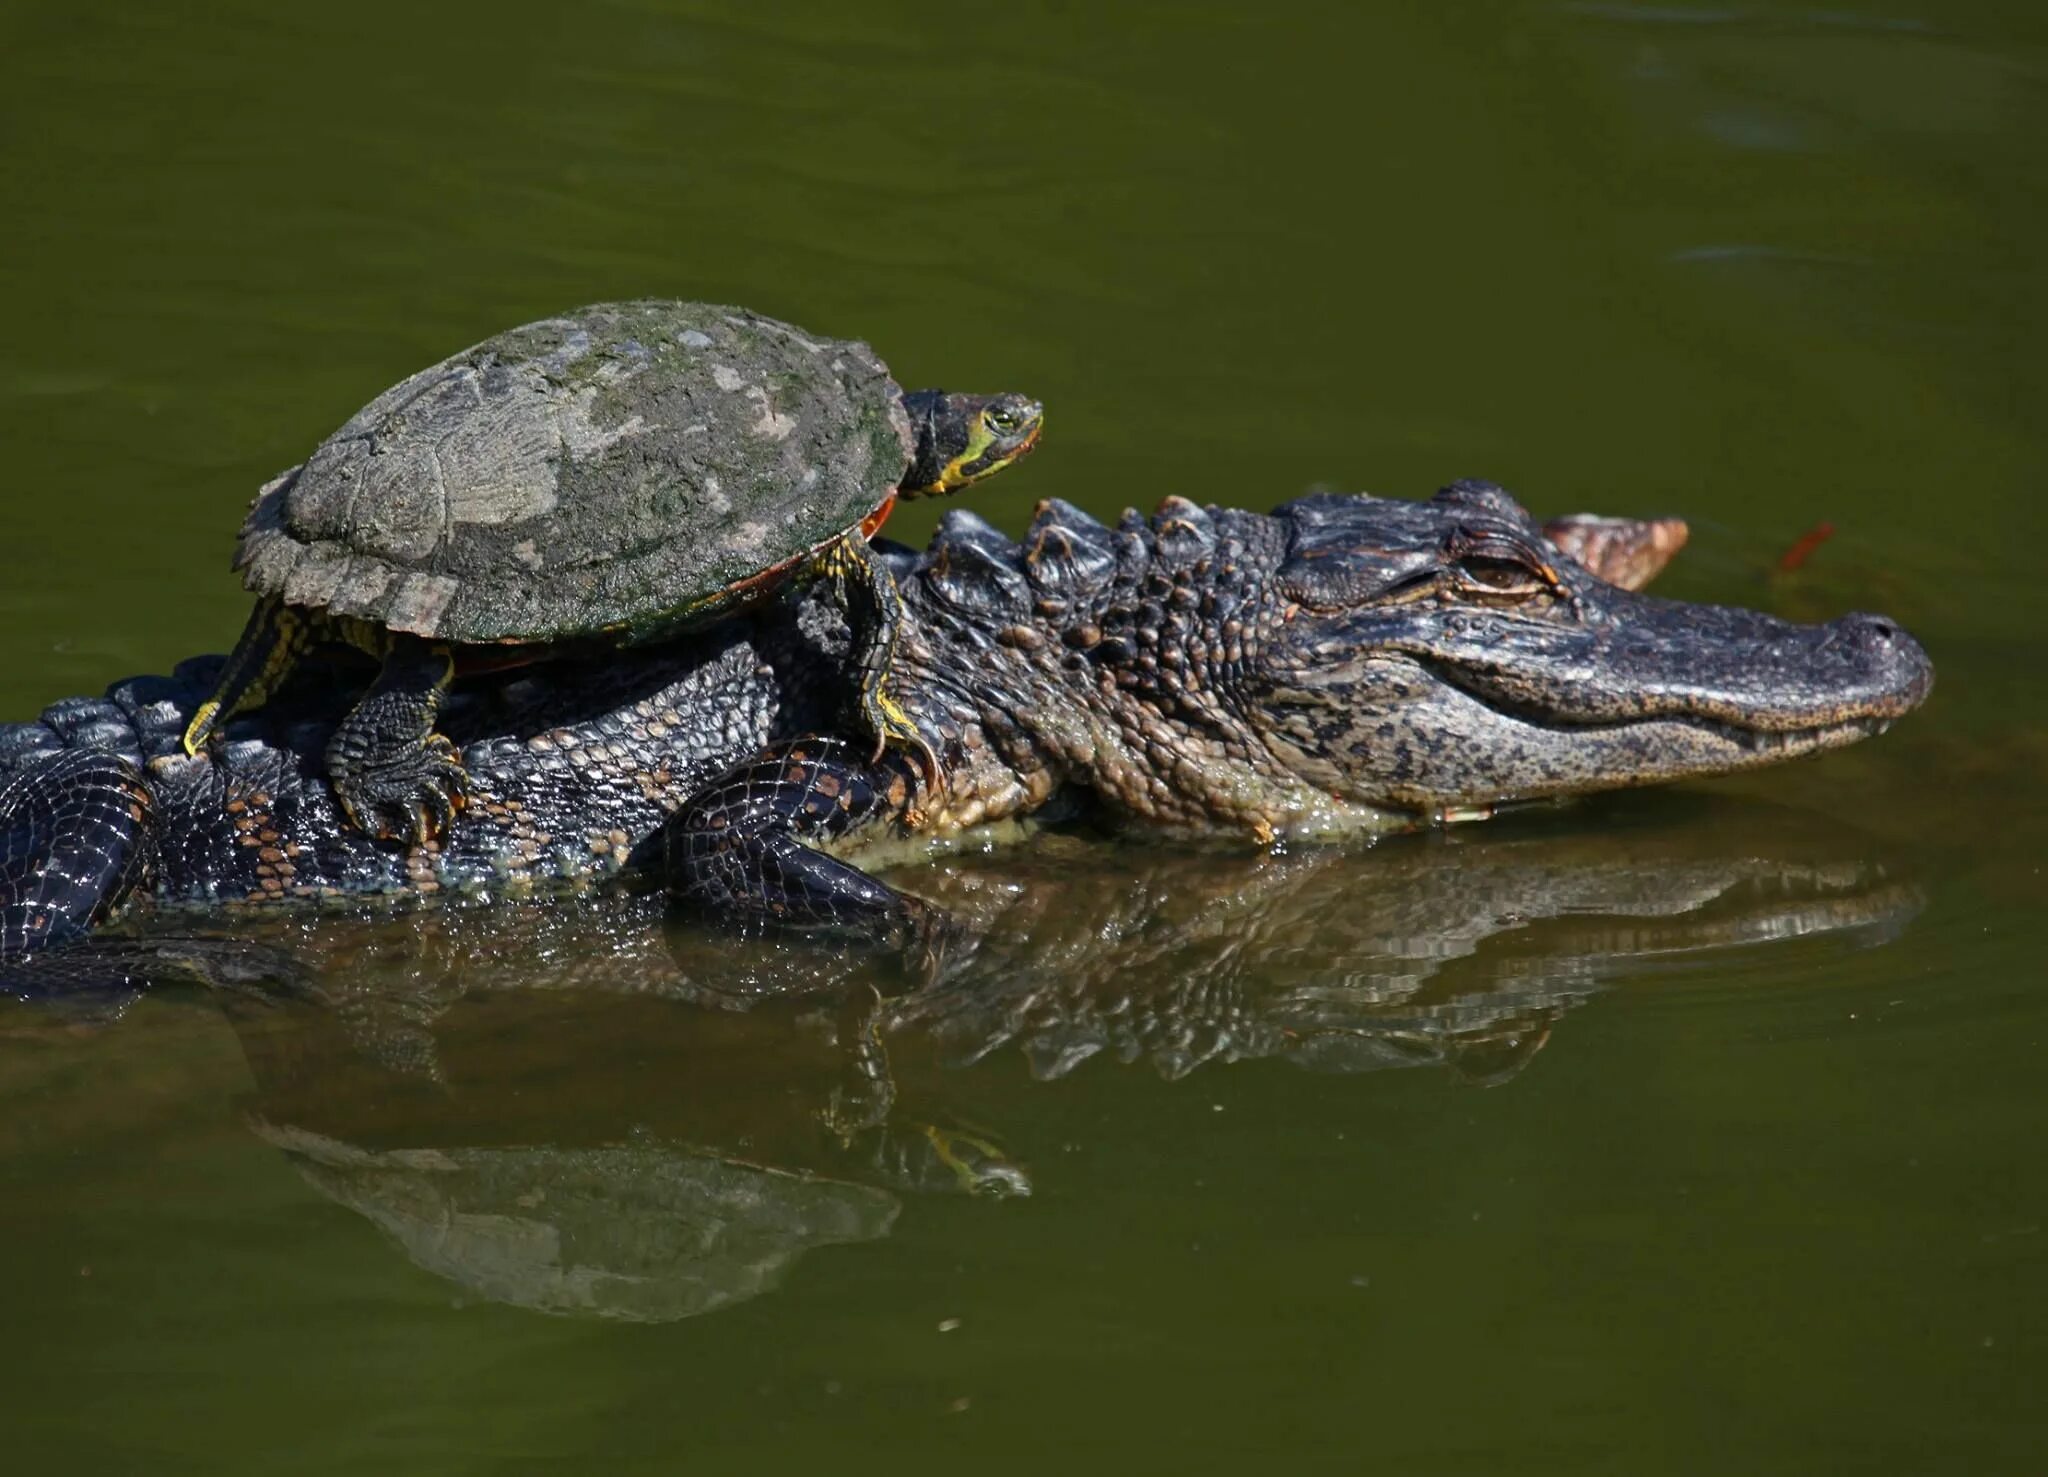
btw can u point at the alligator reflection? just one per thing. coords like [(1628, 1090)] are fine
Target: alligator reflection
[(580, 1109)]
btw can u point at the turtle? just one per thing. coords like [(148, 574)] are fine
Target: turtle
[(622, 472)]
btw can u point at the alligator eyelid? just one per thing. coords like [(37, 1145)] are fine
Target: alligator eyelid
[(1416, 585), (1465, 540), (1512, 577), (1413, 587)]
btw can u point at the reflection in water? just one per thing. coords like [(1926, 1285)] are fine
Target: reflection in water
[(580, 1109), (642, 1233)]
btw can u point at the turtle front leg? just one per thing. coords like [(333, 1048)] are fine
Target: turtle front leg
[(874, 608), (738, 850), (271, 644), (395, 776)]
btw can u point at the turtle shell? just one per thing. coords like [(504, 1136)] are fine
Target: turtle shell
[(601, 471)]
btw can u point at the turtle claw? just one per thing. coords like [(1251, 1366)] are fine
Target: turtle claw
[(928, 764), (414, 800), (442, 792), (913, 746), (894, 730), (421, 825)]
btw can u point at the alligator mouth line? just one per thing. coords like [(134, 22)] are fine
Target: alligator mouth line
[(1760, 741), (1757, 741)]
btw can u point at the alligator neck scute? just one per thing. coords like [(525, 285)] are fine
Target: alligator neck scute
[(1105, 658)]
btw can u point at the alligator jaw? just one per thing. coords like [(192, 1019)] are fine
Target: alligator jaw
[(1585, 757), (1494, 713), (1393, 694)]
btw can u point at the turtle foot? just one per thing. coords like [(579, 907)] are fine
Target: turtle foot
[(412, 797), (893, 729)]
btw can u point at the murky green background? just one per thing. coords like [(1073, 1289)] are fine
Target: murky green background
[(1719, 1142)]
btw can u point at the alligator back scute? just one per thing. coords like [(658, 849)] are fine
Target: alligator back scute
[(1067, 554), (1184, 531), (975, 570)]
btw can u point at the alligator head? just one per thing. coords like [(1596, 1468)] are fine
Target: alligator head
[(1441, 657), (1351, 662)]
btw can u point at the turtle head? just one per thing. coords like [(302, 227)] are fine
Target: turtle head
[(963, 438)]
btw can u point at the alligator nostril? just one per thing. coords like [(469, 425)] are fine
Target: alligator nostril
[(1873, 630), (1883, 651)]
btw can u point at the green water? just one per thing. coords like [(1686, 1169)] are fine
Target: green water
[(1696, 1131)]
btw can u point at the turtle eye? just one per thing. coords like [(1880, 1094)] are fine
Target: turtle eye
[(999, 420)]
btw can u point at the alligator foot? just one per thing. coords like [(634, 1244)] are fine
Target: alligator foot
[(738, 850)]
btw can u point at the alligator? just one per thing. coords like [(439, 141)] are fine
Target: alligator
[(1345, 665)]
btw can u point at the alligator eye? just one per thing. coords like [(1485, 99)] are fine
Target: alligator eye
[(1500, 576)]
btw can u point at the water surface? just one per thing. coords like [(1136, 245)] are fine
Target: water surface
[(1687, 1131)]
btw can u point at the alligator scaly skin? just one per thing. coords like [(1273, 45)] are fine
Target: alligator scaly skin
[(572, 766)]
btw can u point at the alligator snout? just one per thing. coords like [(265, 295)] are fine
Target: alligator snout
[(1431, 704), (1893, 650), (1887, 672)]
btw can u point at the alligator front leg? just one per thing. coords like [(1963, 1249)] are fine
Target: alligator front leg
[(739, 849)]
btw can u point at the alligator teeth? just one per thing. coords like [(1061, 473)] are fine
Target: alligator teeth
[(1454, 814)]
